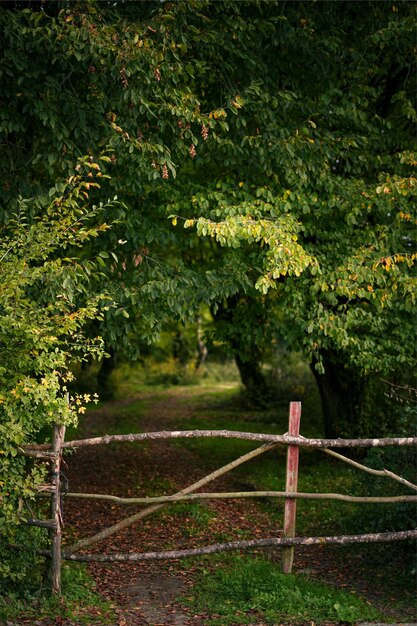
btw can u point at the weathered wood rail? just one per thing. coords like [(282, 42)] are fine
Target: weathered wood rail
[(231, 434), (288, 541)]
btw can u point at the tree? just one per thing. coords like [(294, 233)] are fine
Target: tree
[(77, 77), (278, 135), (320, 156)]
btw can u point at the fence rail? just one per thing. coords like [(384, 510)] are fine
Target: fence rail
[(233, 495), (231, 434), (288, 541)]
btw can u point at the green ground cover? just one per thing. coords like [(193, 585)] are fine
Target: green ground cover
[(243, 589), (80, 604)]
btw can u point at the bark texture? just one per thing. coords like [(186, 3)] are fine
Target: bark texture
[(243, 545)]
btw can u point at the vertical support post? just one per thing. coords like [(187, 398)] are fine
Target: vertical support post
[(56, 532), (291, 482)]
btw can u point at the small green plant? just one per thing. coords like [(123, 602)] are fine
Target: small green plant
[(159, 485), (194, 517), (254, 586), (79, 602)]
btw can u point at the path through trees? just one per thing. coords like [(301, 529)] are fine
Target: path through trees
[(150, 591)]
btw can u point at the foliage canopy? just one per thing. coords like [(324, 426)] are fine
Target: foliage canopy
[(277, 134)]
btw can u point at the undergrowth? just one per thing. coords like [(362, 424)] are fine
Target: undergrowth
[(245, 589), (130, 379), (79, 602)]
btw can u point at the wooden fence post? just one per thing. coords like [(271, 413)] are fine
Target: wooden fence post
[(56, 515), (291, 482)]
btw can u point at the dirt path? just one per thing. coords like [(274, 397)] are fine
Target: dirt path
[(147, 593)]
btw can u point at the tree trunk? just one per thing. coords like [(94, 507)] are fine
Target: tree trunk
[(252, 378), (202, 351), (341, 391), (105, 387), (237, 316)]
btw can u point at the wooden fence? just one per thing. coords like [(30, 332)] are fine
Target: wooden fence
[(288, 540)]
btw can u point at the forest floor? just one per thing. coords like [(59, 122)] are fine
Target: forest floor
[(153, 593)]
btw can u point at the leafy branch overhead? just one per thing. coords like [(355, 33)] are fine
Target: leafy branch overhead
[(283, 136)]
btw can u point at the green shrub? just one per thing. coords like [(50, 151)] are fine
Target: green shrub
[(403, 462), (80, 603), (47, 298)]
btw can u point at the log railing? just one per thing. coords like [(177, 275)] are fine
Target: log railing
[(292, 439)]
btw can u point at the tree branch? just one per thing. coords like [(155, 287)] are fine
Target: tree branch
[(148, 511), (37, 454), (49, 523), (371, 470)]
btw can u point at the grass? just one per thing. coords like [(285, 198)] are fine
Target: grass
[(317, 473), (79, 602), (245, 589), (193, 517), (129, 380)]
